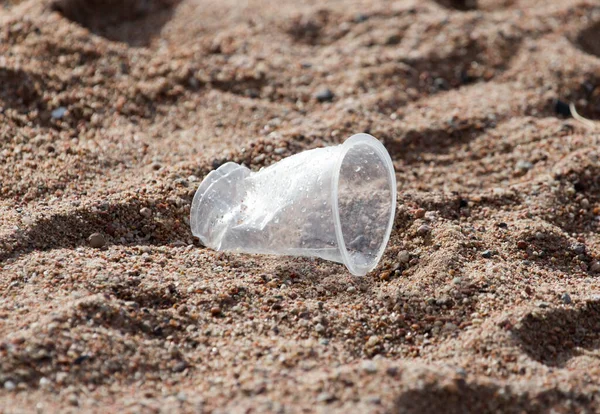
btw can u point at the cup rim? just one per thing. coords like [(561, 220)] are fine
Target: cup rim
[(383, 154)]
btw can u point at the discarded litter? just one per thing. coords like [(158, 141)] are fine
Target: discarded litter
[(336, 203)]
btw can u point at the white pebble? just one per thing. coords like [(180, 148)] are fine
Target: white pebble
[(369, 367), (373, 341), (403, 256)]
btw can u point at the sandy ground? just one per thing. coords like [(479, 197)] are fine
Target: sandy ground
[(487, 298)]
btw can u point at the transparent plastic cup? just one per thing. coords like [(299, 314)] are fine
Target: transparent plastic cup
[(336, 203)]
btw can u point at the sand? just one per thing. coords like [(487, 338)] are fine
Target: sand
[(486, 300)]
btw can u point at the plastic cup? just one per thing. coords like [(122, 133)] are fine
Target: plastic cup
[(336, 203)]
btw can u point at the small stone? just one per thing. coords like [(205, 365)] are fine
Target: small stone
[(487, 254), (325, 397), (369, 367), (351, 289), (182, 183), (595, 267), (543, 305), (9, 385), (324, 95), (96, 240), (450, 327), (146, 212), (440, 83), (73, 400), (180, 366), (431, 216), (566, 298), (259, 158), (59, 112), (420, 213), (461, 371), (424, 230), (522, 244), (44, 382), (578, 248), (523, 166), (360, 17), (215, 311), (403, 256), (443, 300), (61, 377), (319, 328), (373, 399), (373, 341), (457, 280)]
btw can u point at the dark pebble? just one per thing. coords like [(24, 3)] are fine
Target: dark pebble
[(487, 254), (578, 248), (324, 95), (441, 84), (180, 366), (97, 240), (359, 18), (392, 371), (81, 359), (424, 230), (566, 298)]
